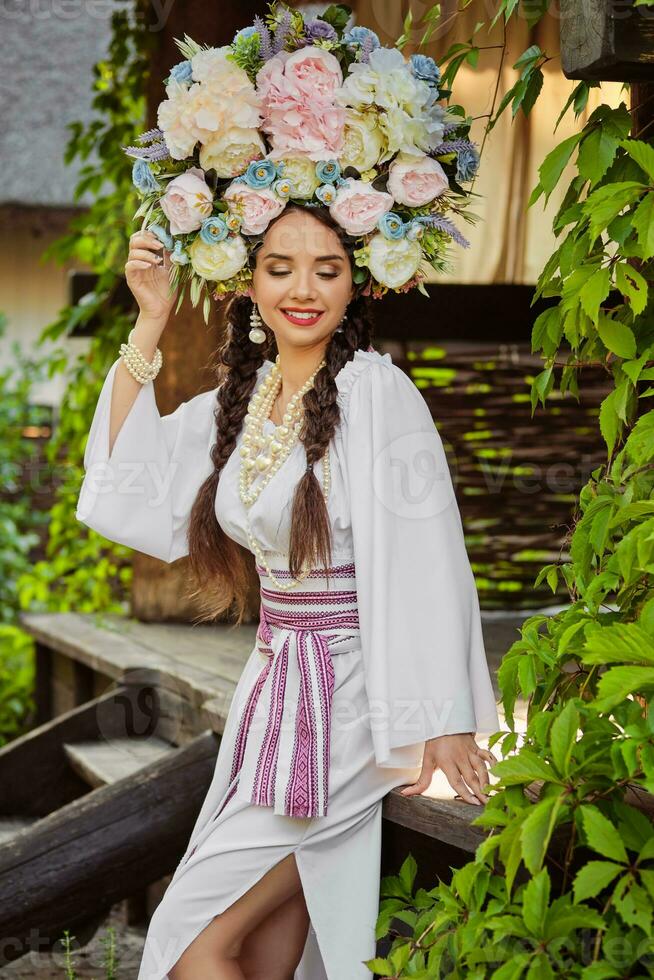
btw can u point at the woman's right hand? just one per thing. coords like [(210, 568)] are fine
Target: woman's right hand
[(147, 271)]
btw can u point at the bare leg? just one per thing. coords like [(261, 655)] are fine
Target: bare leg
[(274, 949), (214, 954)]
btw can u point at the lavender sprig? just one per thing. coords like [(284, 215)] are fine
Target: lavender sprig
[(450, 127), (452, 146), (443, 224), (366, 49), (152, 153), (150, 136), (282, 31), (266, 45)]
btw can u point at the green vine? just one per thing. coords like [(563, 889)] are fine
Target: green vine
[(563, 885), (83, 571)]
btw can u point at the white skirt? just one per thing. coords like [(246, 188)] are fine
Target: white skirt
[(337, 854)]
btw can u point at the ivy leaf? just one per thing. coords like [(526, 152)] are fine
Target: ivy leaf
[(536, 831), (631, 283), (619, 682), (408, 872), (605, 202), (514, 968), (642, 221), (634, 907), (535, 902), (616, 336), (524, 768), (563, 737), (594, 877), (601, 835), (642, 153), (533, 90), (596, 154), (554, 163), (594, 292), (609, 421), (618, 643), (541, 387)]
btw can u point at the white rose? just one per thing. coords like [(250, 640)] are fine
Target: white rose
[(302, 173), (230, 152), (220, 260), (363, 142), (393, 261)]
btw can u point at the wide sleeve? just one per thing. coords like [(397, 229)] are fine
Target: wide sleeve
[(141, 494), (425, 664)]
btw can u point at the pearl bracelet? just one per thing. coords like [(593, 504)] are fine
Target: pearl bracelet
[(140, 369)]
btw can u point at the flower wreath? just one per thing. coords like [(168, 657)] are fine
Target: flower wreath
[(313, 113)]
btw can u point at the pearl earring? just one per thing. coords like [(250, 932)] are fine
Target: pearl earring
[(339, 328), (256, 334)]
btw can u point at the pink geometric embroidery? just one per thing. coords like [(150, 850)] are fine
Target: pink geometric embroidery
[(315, 625)]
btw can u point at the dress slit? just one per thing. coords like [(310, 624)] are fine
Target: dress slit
[(190, 939)]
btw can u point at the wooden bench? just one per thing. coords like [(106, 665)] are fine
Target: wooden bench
[(129, 718)]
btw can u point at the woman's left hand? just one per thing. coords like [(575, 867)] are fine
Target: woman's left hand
[(462, 761)]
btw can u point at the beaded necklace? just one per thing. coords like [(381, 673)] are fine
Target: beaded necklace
[(263, 453)]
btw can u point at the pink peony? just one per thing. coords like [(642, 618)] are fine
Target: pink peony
[(315, 132), (315, 72), (300, 115), (256, 207), (358, 206), (416, 180), (187, 201)]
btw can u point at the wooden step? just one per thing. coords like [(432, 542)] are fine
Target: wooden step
[(103, 762), (10, 826), (101, 848)]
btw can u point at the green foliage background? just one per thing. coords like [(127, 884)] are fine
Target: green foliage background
[(81, 571), (563, 884)]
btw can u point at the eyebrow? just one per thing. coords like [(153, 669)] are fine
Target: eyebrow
[(288, 258)]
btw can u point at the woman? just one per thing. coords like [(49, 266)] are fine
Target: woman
[(380, 647)]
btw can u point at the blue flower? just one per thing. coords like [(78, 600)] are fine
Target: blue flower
[(326, 193), (415, 230), (320, 30), (283, 188), (467, 163), (164, 237), (178, 256), (425, 68), (260, 173), (328, 171), (143, 178), (182, 72), (356, 37), (244, 32), (213, 230), (391, 225)]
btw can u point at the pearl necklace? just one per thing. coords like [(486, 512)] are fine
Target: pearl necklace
[(262, 453)]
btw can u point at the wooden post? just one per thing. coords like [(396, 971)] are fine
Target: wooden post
[(602, 41), (187, 343)]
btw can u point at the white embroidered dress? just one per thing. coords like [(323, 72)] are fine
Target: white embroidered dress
[(401, 612)]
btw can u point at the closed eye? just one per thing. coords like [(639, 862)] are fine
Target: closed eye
[(323, 275)]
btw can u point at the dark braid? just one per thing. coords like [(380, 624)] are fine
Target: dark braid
[(223, 570), (310, 538), (236, 364)]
